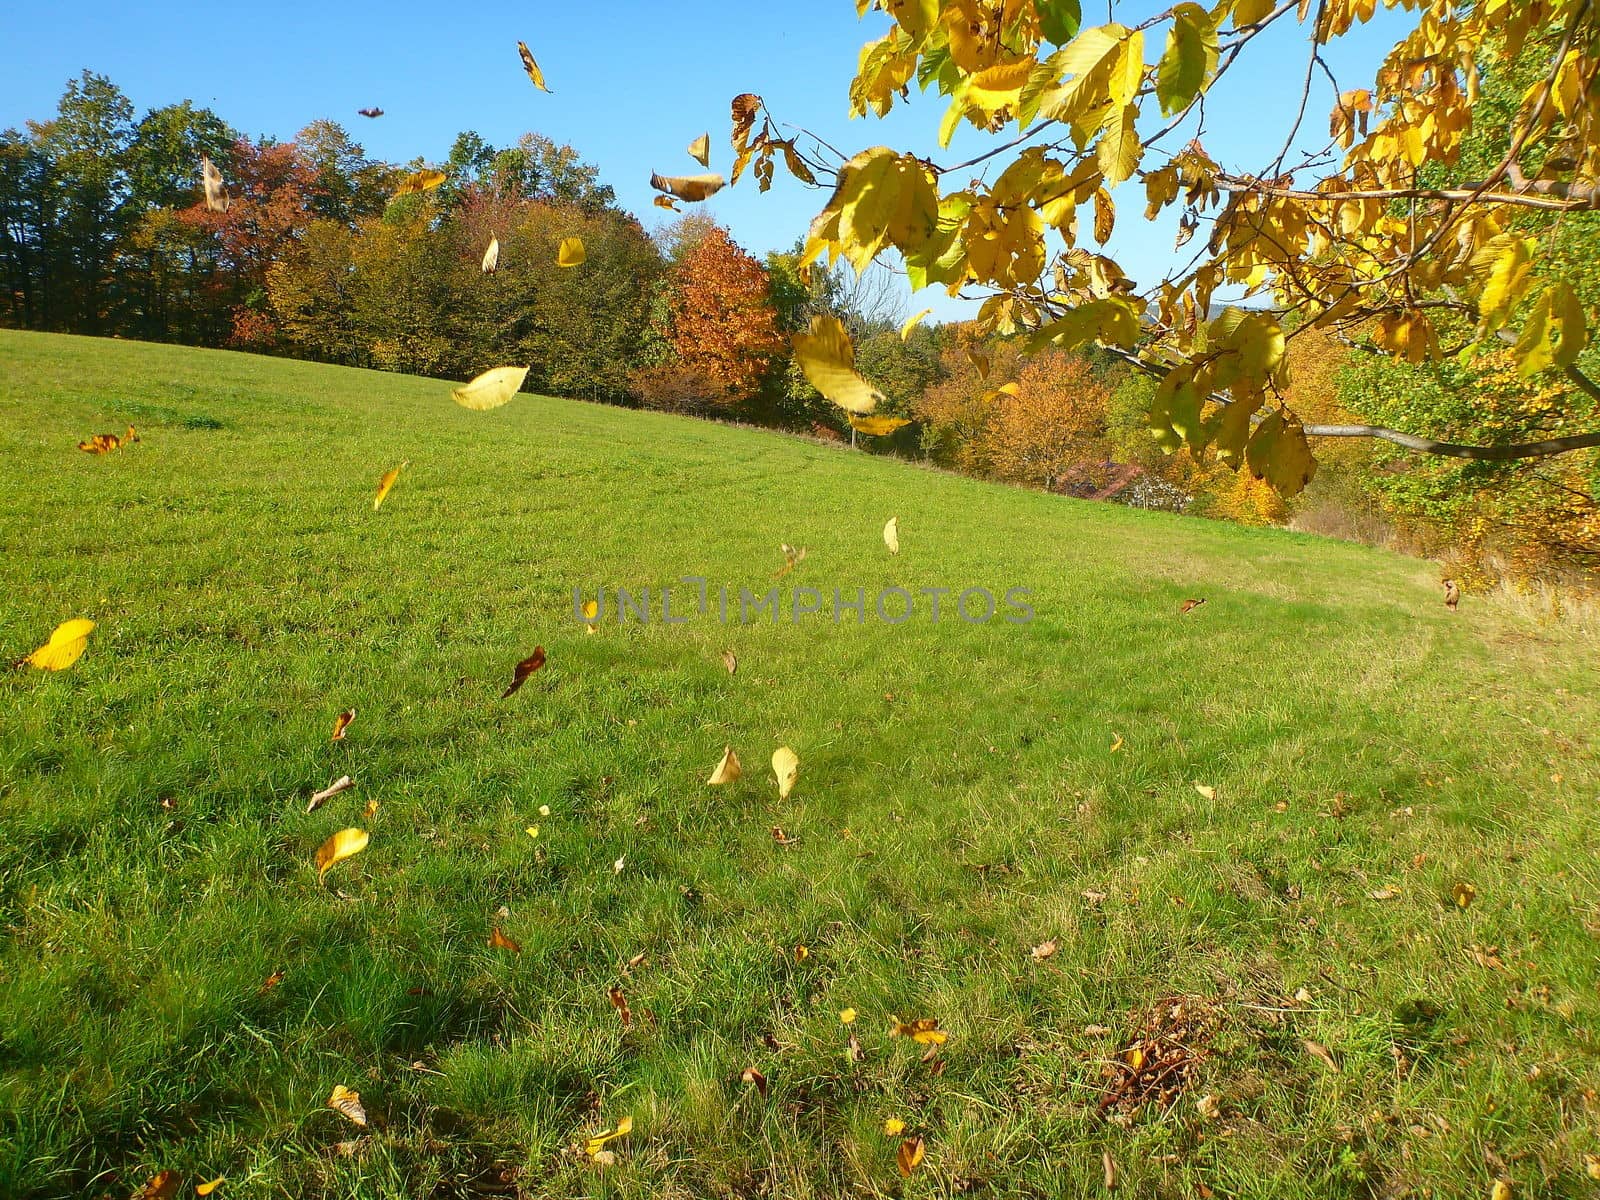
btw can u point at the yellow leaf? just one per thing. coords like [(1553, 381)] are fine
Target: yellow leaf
[(884, 198), (924, 1030), (1463, 894), (847, 1016), (700, 149), (65, 647), (205, 1189), (532, 831), (345, 844), (1116, 743), (1210, 793), (912, 322), (727, 770), (786, 766), (385, 484), (348, 1102), (624, 1127), (531, 67), (1501, 1190), (687, 187), (163, 1185), (1119, 150), (891, 535), (420, 181), (910, 1155), (370, 810), (893, 1127), (876, 426), (801, 953), (342, 723), (828, 360), (491, 256), (571, 253), (997, 87), (1248, 12), (493, 388)]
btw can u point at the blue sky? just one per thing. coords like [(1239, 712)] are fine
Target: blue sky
[(633, 83)]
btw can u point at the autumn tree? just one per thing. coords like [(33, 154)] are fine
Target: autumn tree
[(1051, 419), (718, 324), (1343, 235)]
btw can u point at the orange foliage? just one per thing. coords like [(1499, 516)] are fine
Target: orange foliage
[(1055, 421), (723, 328)]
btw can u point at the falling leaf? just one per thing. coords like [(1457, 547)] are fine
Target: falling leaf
[(924, 1030), (786, 766), (828, 359), (751, 1075), (635, 961), (876, 426), (1189, 606), (893, 1127), (616, 867), (491, 256), (912, 322), (1320, 1052), (348, 1102), (700, 149), (493, 388), (1116, 742), (687, 187), (341, 723), (891, 535), (205, 1189), (620, 1003), (211, 179), (729, 661), (369, 112), (499, 941), (847, 1016), (666, 202), (318, 799), (591, 610), (727, 770), (791, 559), (594, 1144), (163, 1185), (524, 669), (345, 844), (385, 484), (65, 647), (910, 1155), (1210, 793), (571, 252), (801, 953), (418, 182), (1452, 595), (1109, 1166), (1463, 894), (531, 67), (1043, 950)]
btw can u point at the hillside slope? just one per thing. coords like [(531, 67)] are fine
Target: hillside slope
[(966, 792)]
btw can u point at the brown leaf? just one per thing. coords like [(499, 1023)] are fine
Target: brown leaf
[(910, 1155), (345, 1101), (1452, 594), (1320, 1052), (751, 1075), (1189, 606), (341, 723), (1109, 1166), (1463, 894), (857, 1054), (1043, 950), (499, 941), (620, 1003), (163, 1185), (782, 838), (318, 799), (729, 661), (524, 668), (273, 981), (688, 187), (700, 149)]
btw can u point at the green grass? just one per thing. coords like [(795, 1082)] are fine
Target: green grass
[(956, 801)]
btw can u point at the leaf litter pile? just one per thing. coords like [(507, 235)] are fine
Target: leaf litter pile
[(1166, 1048)]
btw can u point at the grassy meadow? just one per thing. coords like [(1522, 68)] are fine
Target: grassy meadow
[(1269, 988)]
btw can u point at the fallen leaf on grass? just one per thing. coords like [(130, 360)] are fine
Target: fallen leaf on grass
[(801, 953), (1210, 793), (1188, 606), (65, 647), (163, 1185), (100, 443), (753, 1076), (499, 941), (729, 661), (594, 1145), (910, 1155), (1463, 894), (1116, 743), (345, 844), (1501, 1190), (345, 1101), (205, 1189), (857, 1054), (318, 799), (924, 1030), (1387, 893), (491, 389), (727, 770), (523, 669), (1109, 1166), (532, 831), (791, 559), (1322, 1054), (370, 810), (893, 1127), (620, 1003), (341, 723), (1208, 1107), (273, 981), (786, 766), (616, 867), (385, 484), (782, 838), (847, 1016), (1043, 950), (891, 535)]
